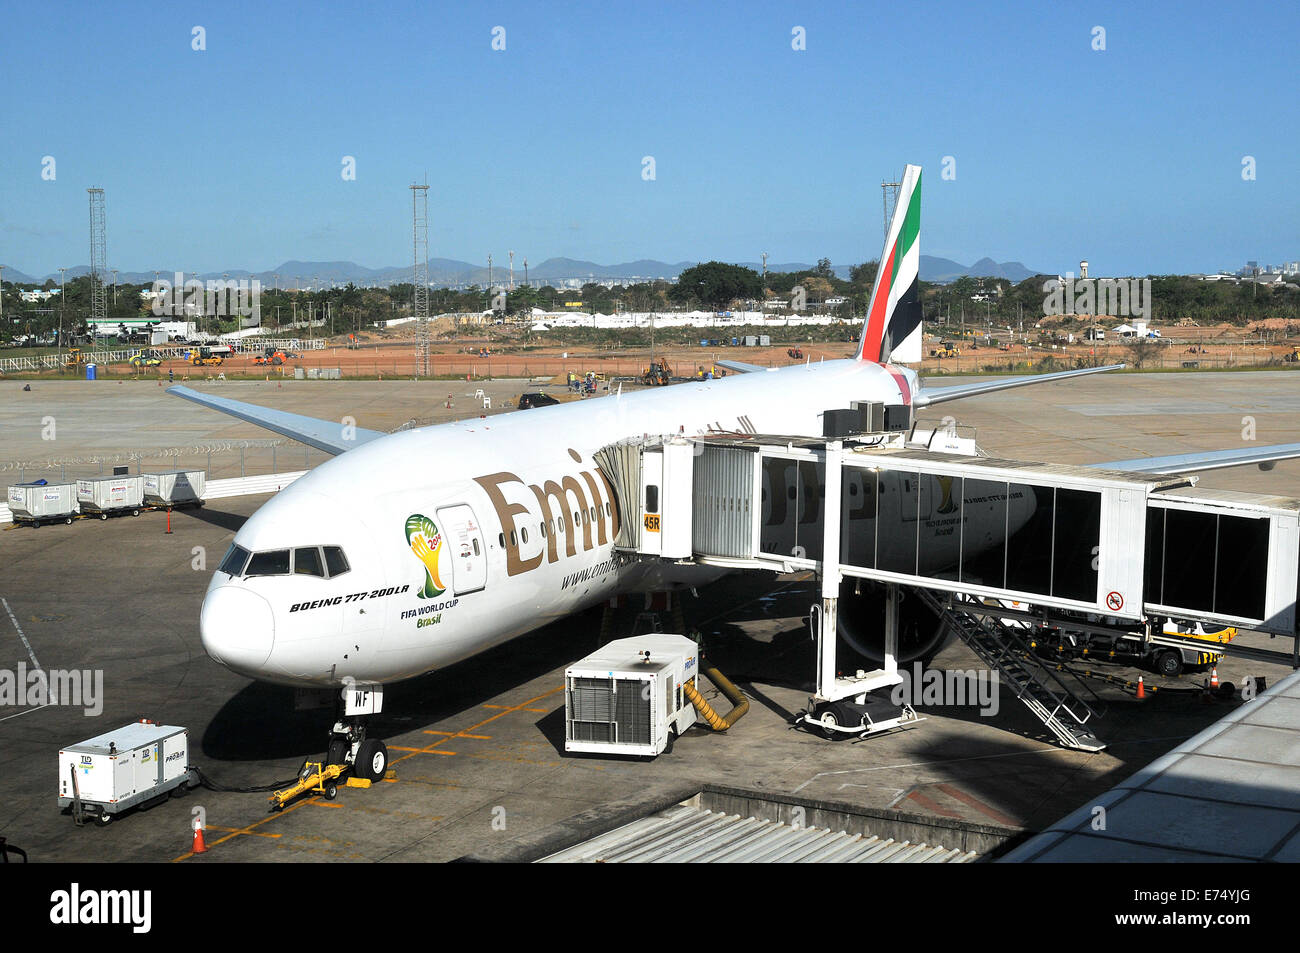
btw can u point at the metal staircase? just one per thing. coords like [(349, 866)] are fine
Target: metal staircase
[(1003, 649)]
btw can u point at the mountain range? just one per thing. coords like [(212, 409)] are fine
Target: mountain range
[(451, 272)]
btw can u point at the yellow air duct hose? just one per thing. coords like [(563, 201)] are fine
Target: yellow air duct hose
[(739, 703)]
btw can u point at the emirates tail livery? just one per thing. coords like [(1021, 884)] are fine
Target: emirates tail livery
[(410, 551)]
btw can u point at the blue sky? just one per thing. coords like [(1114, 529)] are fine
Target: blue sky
[(231, 157)]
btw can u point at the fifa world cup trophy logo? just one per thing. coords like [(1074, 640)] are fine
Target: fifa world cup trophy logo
[(426, 542)]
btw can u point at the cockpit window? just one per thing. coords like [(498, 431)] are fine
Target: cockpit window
[(336, 561), (233, 563), (306, 562), (274, 563)]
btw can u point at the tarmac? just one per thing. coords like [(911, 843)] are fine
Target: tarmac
[(477, 749)]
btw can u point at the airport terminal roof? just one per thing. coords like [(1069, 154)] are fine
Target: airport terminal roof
[(1226, 794)]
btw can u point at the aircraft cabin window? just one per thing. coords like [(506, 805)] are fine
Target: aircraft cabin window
[(273, 563), (652, 498), (513, 540), (523, 533), (306, 562), (476, 549), (561, 524), (335, 561), (233, 563), (501, 540), (593, 512)]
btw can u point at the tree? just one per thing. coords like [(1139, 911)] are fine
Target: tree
[(824, 269), (1142, 349), (716, 284), (864, 275), (817, 288)]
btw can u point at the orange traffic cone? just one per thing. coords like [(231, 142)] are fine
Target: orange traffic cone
[(1214, 679), (199, 847), (1142, 690)]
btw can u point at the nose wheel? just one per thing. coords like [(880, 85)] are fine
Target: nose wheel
[(367, 757)]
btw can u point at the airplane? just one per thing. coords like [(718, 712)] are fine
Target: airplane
[(410, 551)]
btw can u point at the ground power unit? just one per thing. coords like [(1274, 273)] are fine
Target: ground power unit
[(627, 698), (124, 768)]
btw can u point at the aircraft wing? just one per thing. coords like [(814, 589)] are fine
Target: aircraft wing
[(740, 367), (326, 435), (928, 397), (1263, 457)]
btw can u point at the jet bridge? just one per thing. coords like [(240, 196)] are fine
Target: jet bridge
[(971, 535)]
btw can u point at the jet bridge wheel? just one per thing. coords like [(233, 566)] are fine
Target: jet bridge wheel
[(372, 760)]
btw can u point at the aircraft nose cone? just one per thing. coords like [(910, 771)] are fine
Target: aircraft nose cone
[(237, 627)]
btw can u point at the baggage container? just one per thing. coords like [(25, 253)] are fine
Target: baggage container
[(123, 768), (43, 503), (175, 488), (111, 494)]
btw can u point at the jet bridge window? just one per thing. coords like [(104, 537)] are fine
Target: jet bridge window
[(859, 493), (792, 507), (272, 563), (983, 533), (1211, 562), (233, 562)]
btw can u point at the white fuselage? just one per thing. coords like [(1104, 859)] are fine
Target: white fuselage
[(517, 529)]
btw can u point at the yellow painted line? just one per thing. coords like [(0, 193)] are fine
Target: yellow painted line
[(457, 734), (540, 711), (245, 830), (319, 803), (412, 751), (241, 830), (523, 706)]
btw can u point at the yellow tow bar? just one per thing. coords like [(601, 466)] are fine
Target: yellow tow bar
[(318, 778)]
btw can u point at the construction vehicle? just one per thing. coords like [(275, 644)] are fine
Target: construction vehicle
[(657, 374), (75, 358), (271, 357), (1293, 357), (210, 356), (945, 349), (795, 353), (145, 359)]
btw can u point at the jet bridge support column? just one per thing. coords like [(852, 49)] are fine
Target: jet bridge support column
[(830, 574), (829, 686)]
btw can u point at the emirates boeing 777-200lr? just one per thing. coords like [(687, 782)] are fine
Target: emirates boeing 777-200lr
[(410, 551)]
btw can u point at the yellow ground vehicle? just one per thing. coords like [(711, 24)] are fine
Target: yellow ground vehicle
[(75, 358), (211, 356), (145, 359), (945, 349), (657, 374)]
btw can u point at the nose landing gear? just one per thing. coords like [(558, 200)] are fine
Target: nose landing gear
[(348, 745)]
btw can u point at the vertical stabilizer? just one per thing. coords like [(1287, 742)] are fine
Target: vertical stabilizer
[(892, 331)]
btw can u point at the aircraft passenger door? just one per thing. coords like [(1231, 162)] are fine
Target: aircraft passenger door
[(464, 536)]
